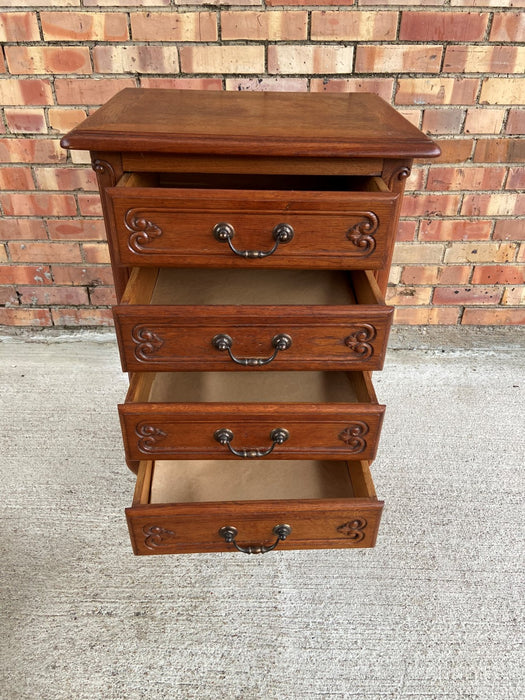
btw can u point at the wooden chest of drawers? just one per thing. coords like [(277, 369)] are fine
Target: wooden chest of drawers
[(251, 236)]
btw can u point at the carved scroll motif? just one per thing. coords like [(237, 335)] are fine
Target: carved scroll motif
[(353, 529), (399, 174), (362, 233), (103, 168), (359, 341), (156, 537), (149, 436), (147, 342), (353, 436), (143, 231)]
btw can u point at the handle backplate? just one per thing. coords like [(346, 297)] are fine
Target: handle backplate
[(229, 533), (224, 342), (224, 233), (224, 436)]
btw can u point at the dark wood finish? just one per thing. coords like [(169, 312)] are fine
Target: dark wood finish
[(174, 227), (175, 528), (185, 430), (250, 124), (170, 166), (179, 337)]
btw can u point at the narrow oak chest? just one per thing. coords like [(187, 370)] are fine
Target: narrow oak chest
[(251, 236)]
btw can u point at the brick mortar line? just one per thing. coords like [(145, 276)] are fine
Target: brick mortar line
[(434, 285), (2, 110), (462, 217), (22, 135), (426, 305), (418, 192), (225, 7), (309, 26), (312, 7), (39, 25), (364, 75), (398, 25), (415, 192), (399, 74), (394, 41), (46, 116), (76, 265)]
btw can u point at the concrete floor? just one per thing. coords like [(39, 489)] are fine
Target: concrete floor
[(434, 611)]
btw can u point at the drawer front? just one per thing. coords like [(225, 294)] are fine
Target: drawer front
[(273, 229), (190, 431), (192, 338), (179, 528)]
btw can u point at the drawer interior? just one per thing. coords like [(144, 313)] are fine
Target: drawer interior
[(171, 286), (252, 287), (198, 481), (251, 387), (256, 182)]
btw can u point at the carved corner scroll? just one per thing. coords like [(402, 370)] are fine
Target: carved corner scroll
[(149, 436), (353, 529), (157, 537), (143, 231), (147, 342), (105, 169), (362, 233), (353, 436), (360, 341), (400, 174)]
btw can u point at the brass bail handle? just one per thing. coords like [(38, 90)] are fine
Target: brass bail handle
[(224, 436), (224, 232), (229, 533), (280, 342)]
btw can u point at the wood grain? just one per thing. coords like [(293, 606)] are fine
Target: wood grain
[(250, 123)]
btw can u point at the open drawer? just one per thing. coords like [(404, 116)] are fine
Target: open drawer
[(277, 415), (251, 221), (183, 507), (171, 320)]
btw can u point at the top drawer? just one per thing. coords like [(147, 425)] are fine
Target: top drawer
[(258, 221)]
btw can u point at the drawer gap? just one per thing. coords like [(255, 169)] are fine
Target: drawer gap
[(256, 182), (251, 387), (254, 287), (190, 287)]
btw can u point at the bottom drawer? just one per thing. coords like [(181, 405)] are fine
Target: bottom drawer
[(218, 506)]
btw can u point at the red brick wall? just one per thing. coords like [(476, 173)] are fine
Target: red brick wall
[(453, 67)]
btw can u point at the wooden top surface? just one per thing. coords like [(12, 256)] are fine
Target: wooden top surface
[(250, 124)]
